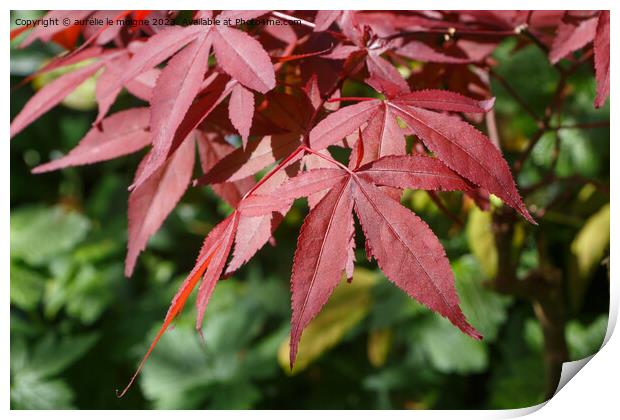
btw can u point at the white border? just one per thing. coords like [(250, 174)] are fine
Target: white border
[(594, 391)]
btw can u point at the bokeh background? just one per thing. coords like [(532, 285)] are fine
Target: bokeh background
[(79, 328)]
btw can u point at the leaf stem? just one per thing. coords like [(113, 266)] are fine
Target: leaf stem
[(512, 92), (327, 158), (281, 165), (350, 98)]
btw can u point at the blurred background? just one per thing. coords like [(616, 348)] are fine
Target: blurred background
[(79, 328)]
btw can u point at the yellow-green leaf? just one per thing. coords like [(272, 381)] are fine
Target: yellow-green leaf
[(83, 97), (591, 242), (379, 343), (481, 240)]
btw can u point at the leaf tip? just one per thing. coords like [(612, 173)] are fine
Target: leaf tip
[(526, 214), (39, 169)]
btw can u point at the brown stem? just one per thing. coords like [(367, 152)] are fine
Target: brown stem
[(529, 35), (437, 200), (450, 32), (583, 126), (512, 92), (550, 312), (542, 287)]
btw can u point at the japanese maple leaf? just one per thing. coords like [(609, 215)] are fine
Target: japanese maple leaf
[(405, 248), (601, 58), (456, 143), (120, 134), (152, 201), (571, 35), (181, 80), (367, 47), (212, 148), (579, 29), (290, 113), (206, 272), (51, 95)]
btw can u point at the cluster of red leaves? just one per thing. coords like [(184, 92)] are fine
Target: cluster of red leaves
[(278, 87)]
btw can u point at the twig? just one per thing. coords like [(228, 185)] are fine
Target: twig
[(585, 125), (433, 195), (515, 95)]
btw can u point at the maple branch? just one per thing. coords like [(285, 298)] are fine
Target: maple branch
[(450, 32), (543, 287), (575, 178), (510, 90), (530, 36), (554, 105), (439, 203), (582, 126)]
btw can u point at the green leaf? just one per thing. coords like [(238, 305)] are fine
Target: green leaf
[(379, 343), (517, 378), (349, 304), (517, 383), (26, 287), (391, 306), (29, 392), (451, 351), (529, 73), (178, 365), (39, 234), (485, 309), (585, 340), (533, 335), (32, 385), (578, 154), (235, 396), (51, 355), (236, 316), (91, 291), (582, 340), (19, 354)]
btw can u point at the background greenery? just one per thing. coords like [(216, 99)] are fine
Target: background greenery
[(79, 328)]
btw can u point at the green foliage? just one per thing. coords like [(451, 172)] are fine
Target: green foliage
[(239, 349), (486, 310), (39, 235), (33, 369)]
